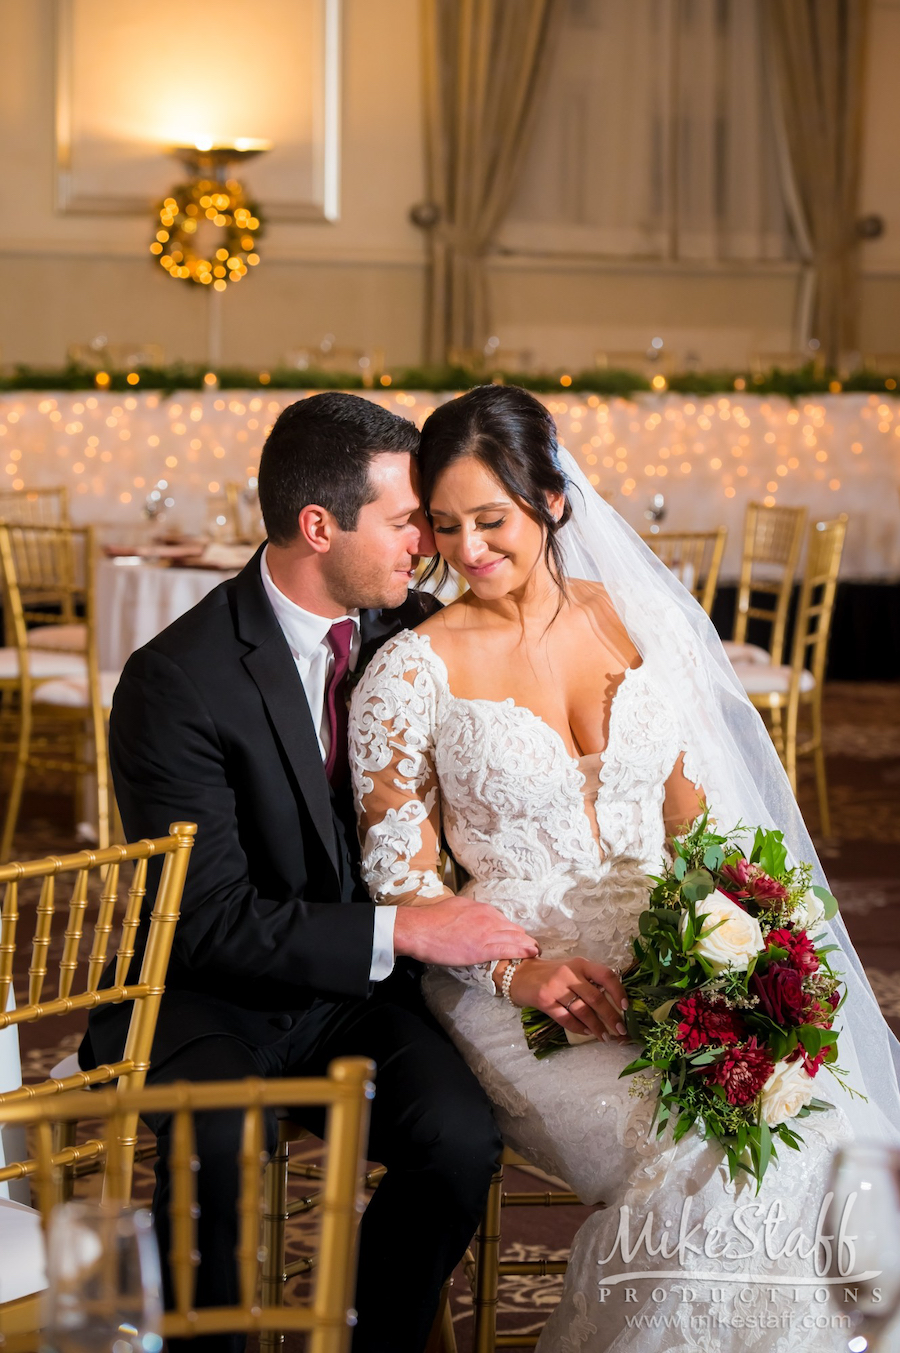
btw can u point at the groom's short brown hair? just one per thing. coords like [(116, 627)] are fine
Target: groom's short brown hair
[(319, 452)]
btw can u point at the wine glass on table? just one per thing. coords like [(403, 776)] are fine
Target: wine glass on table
[(863, 1223), (103, 1281)]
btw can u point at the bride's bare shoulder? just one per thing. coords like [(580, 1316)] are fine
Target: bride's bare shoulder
[(452, 630), (440, 622), (597, 604)]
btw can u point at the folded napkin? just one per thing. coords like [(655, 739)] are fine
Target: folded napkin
[(227, 556)]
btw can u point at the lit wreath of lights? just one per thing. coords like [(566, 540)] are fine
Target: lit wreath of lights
[(207, 212)]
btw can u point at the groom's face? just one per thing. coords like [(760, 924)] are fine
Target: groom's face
[(374, 565)]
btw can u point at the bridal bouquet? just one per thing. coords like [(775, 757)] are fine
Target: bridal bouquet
[(732, 997)]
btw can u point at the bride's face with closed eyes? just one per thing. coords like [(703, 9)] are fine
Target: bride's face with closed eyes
[(483, 532)]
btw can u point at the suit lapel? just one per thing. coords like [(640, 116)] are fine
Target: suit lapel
[(271, 666)]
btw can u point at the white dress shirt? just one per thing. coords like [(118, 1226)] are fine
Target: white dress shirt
[(307, 638)]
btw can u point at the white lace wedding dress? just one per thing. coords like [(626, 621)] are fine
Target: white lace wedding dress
[(563, 847)]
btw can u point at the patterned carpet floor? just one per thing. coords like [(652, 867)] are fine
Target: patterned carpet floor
[(863, 750)]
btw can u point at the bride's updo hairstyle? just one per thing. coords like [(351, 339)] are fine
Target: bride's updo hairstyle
[(514, 437)]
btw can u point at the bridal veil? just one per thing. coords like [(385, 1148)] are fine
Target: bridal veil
[(741, 772)]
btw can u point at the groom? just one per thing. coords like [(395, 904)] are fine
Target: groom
[(235, 717)]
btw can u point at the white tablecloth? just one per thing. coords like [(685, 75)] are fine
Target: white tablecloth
[(135, 600)]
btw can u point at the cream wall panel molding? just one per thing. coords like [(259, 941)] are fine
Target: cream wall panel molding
[(135, 79)]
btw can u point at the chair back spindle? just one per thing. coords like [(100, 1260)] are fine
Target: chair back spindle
[(817, 597), (773, 537)]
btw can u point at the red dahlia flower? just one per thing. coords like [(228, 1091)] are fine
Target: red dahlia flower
[(800, 948), (751, 880), (743, 1071), (702, 1022)]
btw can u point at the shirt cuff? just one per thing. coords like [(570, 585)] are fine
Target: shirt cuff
[(383, 944)]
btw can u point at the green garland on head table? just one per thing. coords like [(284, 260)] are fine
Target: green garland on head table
[(807, 380)]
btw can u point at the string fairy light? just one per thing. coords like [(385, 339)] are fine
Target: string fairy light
[(832, 453)]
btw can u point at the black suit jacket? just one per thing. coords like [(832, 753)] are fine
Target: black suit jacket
[(210, 724)]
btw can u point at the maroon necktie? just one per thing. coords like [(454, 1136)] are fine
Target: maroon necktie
[(340, 637)]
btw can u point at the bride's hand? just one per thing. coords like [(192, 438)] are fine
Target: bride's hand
[(584, 997)]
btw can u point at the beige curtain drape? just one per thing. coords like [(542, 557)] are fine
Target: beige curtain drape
[(654, 138), (485, 65), (817, 50)]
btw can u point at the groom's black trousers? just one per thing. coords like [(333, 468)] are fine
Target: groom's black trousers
[(431, 1126)]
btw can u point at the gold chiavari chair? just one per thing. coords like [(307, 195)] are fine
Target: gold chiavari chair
[(19, 1272), (80, 990), (279, 1208), (65, 687), (773, 537), (37, 507), (233, 503), (484, 1268), (695, 557), (783, 690), (345, 1092)]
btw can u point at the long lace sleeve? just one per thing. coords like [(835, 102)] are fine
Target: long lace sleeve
[(393, 719)]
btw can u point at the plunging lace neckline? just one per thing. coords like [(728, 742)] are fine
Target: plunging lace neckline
[(499, 783), (510, 703)]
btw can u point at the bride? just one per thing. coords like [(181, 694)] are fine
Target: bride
[(555, 726)]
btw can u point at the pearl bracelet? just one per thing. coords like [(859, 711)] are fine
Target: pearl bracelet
[(508, 976)]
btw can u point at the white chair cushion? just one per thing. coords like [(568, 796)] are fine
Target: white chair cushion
[(73, 691), (71, 637), (23, 1270), (745, 652), (757, 679), (41, 664)]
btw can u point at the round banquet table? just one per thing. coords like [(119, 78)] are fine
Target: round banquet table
[(137, 598)]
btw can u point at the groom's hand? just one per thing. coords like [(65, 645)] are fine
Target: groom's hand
[(456, 932), (584, 997)]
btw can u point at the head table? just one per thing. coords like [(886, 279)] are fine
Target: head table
[(706, 457)]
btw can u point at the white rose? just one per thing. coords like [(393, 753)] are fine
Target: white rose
[(786, 1092), (809, 911), (730, 935)]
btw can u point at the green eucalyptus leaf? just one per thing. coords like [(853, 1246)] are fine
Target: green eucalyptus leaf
[(713, 857), (697, 884)]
